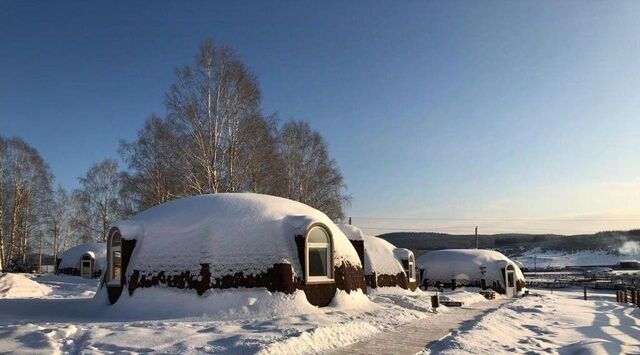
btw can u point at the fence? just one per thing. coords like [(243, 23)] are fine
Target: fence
[(629, 296), (592, 284)]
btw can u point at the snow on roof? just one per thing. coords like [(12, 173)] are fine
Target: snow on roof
[(71, 257), (351, 232), (402, 253), (232, 232), (465, 264), (379, 257)]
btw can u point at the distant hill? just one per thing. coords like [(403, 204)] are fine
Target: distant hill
[(515, 244)]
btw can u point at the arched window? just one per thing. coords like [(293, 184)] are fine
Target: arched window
[(115, 259), (318, 255)]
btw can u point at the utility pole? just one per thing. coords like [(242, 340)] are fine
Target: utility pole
[(349, 220), (477, 241)]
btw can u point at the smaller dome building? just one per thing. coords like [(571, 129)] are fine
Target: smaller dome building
[(384, 264), (487, 269), (86, 260)]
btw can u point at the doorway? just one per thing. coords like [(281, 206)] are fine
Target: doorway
[(510, 278), (86, 267)]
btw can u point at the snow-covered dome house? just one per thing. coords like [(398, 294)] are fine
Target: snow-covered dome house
[(232, 240), (471, 267), (384, 264), (86, 260)]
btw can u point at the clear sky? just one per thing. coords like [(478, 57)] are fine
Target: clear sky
[(511, 115)]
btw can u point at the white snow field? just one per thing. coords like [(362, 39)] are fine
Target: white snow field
[(46, 286), (65, 318), (229, 321), (558, 323)]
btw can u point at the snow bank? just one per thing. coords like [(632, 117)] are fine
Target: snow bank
[(465, 264), (163, 303), (71, 257), (353, 300), (232, 232), (554, 324), (323, 338), (21, 286), (467, 296)]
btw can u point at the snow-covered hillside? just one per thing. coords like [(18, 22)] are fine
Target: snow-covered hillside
[(559, 258)]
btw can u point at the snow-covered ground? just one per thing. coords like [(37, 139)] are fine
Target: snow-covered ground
[(159, 320), (46, 286), (53, 314), (561, 322), (560, 258)]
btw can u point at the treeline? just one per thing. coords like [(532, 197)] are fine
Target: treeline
[(213, 138)]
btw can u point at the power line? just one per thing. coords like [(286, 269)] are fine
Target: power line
[(488, 219)]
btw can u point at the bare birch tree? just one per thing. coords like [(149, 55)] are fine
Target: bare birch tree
[(25, 189), (58, 220), (215, 139), (100, 189), (205, 107), (312, 177), (153, 159)]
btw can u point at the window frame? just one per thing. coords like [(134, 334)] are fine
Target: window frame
[(330, 264), (412, 268), (112, 250), (82, 267)]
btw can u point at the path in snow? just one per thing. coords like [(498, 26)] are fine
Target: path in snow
[(414, 336)]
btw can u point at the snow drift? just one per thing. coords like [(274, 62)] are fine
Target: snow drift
[(20, 286)]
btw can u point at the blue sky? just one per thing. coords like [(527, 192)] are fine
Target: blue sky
[(514, 115)]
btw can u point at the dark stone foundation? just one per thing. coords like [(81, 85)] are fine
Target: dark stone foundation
[(279, 277), (385, 280), (76, 272)]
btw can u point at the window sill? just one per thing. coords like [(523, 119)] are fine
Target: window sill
[(319, 281)]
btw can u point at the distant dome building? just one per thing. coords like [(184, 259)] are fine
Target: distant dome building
[(487, 269), (384, 264), (86, 260), (232, 240)]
